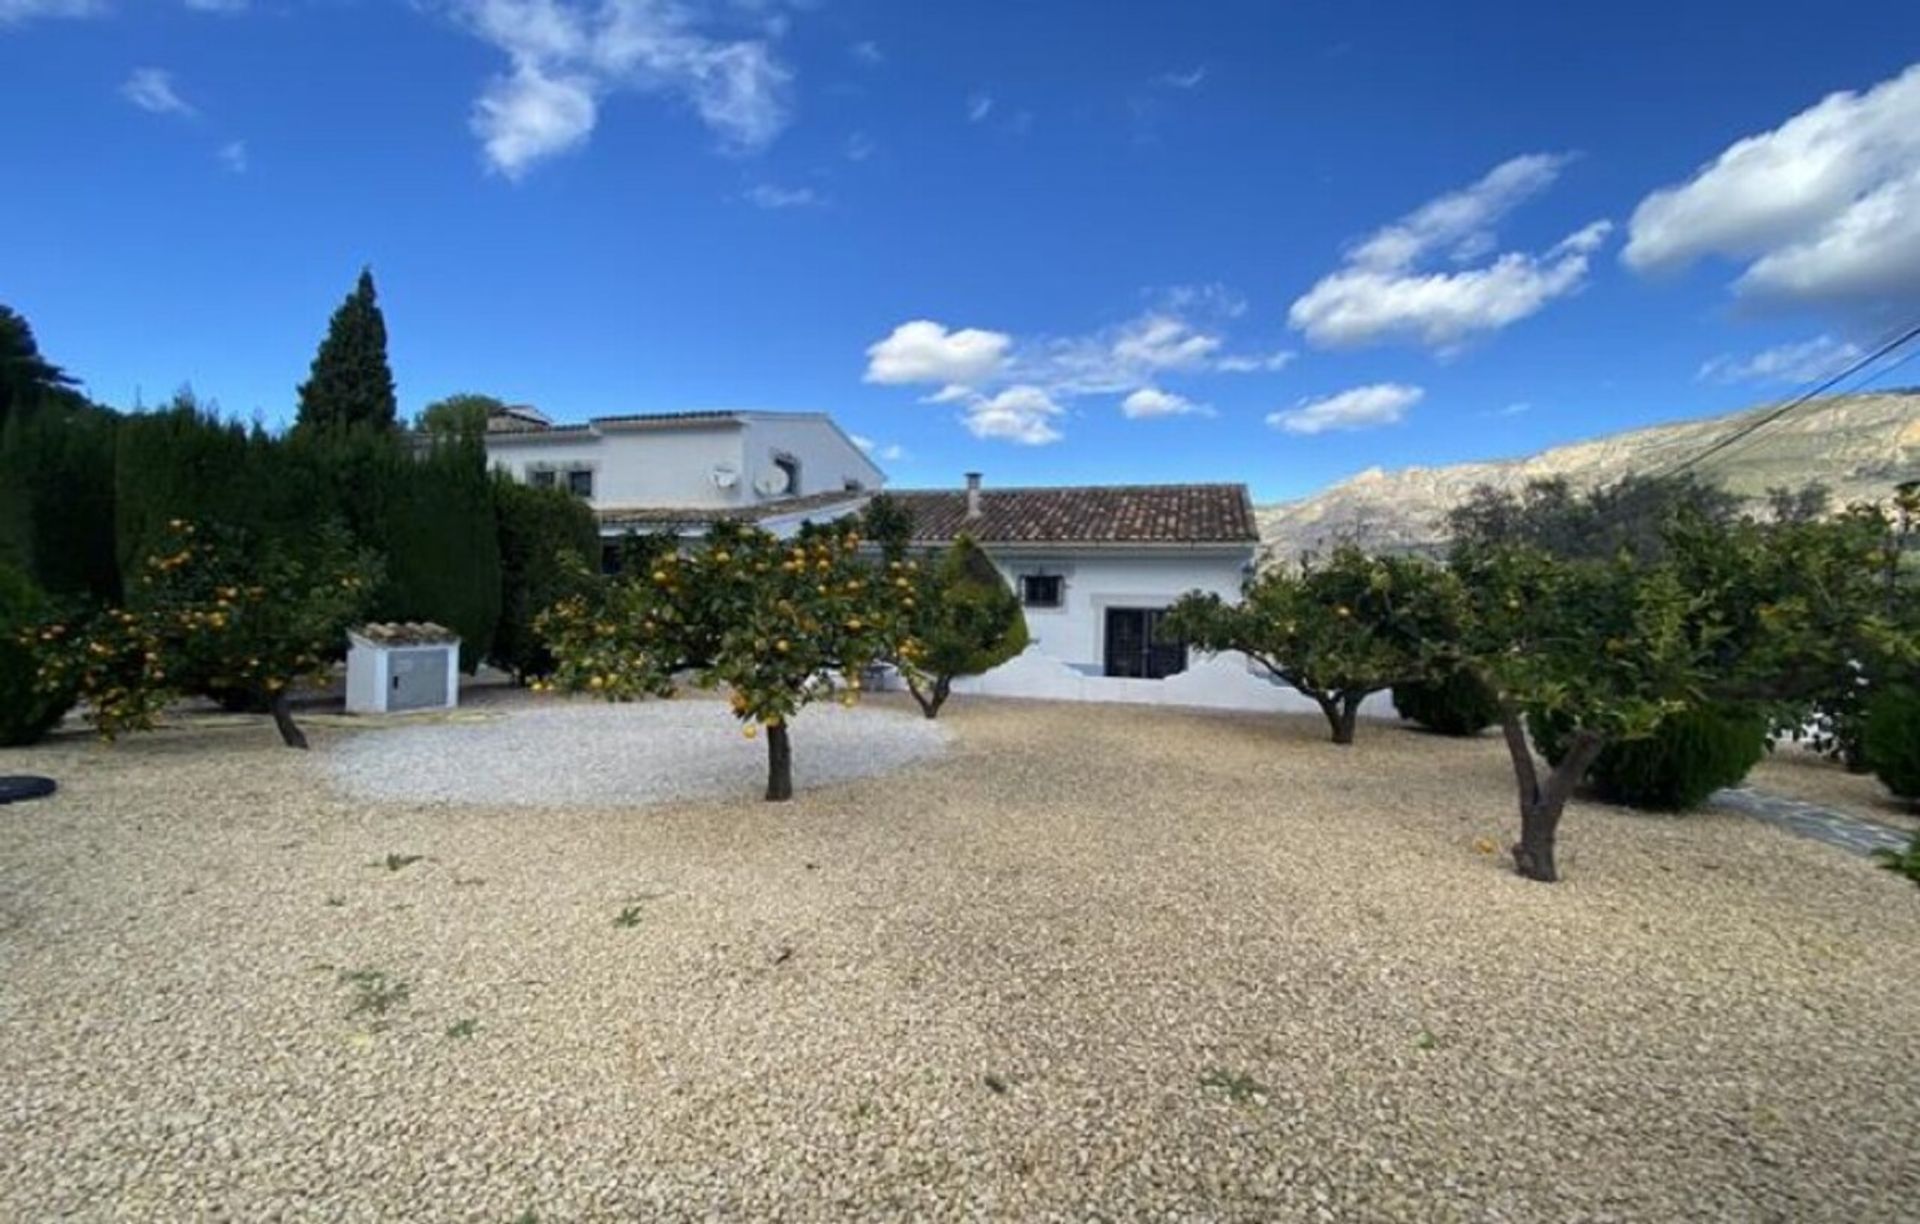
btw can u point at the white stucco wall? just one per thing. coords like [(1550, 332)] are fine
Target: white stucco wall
[(1067, 656), (673, 465)]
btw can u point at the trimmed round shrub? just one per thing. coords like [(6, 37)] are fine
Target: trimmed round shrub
[(1891, 739), (1688, 757), (1460, 704), (26, 714)]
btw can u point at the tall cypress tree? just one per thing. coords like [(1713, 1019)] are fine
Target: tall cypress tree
[(351, 383), (26, 378)]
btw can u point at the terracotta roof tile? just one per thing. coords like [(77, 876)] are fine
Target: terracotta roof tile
[(1086, 514)]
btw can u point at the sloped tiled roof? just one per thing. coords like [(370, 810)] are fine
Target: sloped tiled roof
[(1086, 514), (659, 518)]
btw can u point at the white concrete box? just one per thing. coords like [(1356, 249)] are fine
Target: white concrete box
[(392, 668)]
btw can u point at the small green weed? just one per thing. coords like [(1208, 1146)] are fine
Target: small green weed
[(374, 993), (394, 862), (336, 901), (1902, 862), (1426, 1041), (462, 1029), (628, 917), (1239, 1086)]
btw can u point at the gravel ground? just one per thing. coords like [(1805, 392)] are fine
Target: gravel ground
[(620, 755), (1089, 963)]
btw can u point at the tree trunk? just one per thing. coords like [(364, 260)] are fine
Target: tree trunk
[(779, 763), (290, 733), (1541, 806), (1337, 720), (1349, 715), (933, 698)]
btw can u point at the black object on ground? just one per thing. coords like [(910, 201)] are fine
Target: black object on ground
[(16, 787)]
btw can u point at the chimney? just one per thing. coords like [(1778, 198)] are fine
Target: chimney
[(973, 495)]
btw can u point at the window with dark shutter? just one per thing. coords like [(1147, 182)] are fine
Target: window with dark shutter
[(1040, 590), (580, 482)]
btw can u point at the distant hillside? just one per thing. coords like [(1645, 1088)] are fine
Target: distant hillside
[(1857, 445)]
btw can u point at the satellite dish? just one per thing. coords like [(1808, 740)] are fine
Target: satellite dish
[(772, 482), (725, 476)]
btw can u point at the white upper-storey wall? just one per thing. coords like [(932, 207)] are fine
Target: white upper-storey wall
[(664, 462)]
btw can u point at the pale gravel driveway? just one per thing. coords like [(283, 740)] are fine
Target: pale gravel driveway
[(579, 753), (990, 985)]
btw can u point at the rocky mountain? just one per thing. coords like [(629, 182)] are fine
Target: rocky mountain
[(1859, 446)]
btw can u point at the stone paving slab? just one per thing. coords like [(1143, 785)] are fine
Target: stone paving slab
[(1850, 833)]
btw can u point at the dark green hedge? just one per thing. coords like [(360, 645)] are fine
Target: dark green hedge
[(1891, 739), (1459, 704), (57, 497), (544, 534), (25, 713), (1688, 757)]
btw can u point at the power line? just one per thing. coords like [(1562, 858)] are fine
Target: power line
[(1775, 414)]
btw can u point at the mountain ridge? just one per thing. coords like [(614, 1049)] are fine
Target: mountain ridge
[(1858, 445)]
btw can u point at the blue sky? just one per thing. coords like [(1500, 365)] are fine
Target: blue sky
[(1070, 241)]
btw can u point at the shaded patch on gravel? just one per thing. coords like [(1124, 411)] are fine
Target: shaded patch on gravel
[(619, 755)]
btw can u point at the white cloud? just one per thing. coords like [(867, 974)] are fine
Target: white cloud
[(927, 352), (1804, 361), (1365, 407), (27, 10), (233, 155), (151, 89), (767, 195), (1181, 334), (892, 452), (1824, 209), (1021, 413), (217, 6), (859, 147), (1153, 402), (867, 51), (529, 115), (1245, 363), (565, 55), (1382, 292), (979, 106), (1191, 79)]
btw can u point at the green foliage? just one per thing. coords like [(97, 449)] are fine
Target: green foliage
[(216, 612), (1336, 630), (1892, 739), (963, 616), (1689, 755), (1456, 703), (456, 415), (889, 523), (27, 379), (429, 511), (1904, 862), (1630, 516), (547, 537), (29, 708), (57, 496), (350, 383)]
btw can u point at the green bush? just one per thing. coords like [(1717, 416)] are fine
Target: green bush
[(1688, 757), (543, 533), (1459, 704), (964, 618), (1904, 862), (57, 497), (26, 713), (1891, 740)]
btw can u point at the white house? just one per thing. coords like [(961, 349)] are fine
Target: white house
[(683, 471), (1096, 567)]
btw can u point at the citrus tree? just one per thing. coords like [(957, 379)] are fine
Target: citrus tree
[(216, 612), (963, 620), (1335, 630), (779, 623)]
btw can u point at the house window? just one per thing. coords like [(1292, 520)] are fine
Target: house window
[(580, 482), (611, 554), (541, 478), (1041, 590), (791, 467)]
